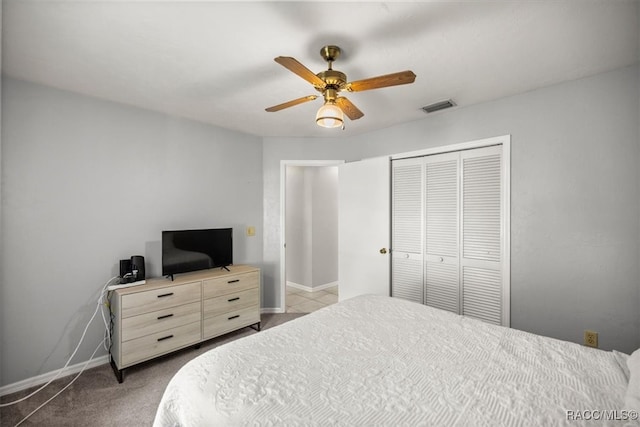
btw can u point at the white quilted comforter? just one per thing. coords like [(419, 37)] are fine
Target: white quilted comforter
[(378, 361)]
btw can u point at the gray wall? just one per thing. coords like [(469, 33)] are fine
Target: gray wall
[(296, 206), (76, 199), (638, 121), (312, 225), (325, 225), (88, 182), (2, 297), (575, 199)]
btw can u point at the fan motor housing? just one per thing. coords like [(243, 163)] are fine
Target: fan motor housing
[(334, 78)]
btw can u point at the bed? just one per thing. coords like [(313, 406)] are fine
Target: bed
[(380, 361)]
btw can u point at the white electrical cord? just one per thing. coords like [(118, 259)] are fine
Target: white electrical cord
[(100, 302), (63, 389)]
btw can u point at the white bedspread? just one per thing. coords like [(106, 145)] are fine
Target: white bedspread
[(378, 361)]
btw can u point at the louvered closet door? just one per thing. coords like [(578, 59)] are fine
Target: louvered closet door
[(449, 232), (442, 284), (407, 238), (482, 222)]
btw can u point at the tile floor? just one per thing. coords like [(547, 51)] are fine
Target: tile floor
[(300, 301)]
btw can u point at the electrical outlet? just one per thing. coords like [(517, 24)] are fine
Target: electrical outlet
[(591, 339)]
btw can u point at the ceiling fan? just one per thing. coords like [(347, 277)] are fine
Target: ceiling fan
[(331, 82)]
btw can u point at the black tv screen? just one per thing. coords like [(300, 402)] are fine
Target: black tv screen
[(191, 250)]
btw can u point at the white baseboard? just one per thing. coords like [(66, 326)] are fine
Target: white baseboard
[(268, 310), (310, 289), (43, 378)]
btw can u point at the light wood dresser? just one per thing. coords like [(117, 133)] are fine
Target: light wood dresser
[(163, 316)]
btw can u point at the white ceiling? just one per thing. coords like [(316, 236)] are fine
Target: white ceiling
[(213, 61)]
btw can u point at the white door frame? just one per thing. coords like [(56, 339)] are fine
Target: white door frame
[(283, 195)]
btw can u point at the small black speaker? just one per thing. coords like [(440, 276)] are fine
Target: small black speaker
[(137, 266), (125, 267)]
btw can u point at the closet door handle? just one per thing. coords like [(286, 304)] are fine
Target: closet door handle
[(383, 251)]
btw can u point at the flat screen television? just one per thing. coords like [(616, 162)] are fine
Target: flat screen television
[(191, 250)]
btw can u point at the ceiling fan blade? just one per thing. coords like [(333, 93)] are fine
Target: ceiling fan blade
[(294, 66), (348, 108), (401, 78), (291, 103)]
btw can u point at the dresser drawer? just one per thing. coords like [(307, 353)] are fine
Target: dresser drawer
[(158, 299), (231, 302), (218, 325), (230, 284), (153, 345), (144, 324)]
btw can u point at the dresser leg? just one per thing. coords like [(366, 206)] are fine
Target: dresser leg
[(255, 326), (116, 371)]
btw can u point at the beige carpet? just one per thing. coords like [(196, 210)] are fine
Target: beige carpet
[(96, 398)]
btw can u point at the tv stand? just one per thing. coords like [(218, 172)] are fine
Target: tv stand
[(163, 315), (225, 267), (169, 276)]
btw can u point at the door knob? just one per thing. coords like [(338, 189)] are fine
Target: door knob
[(383, 251)]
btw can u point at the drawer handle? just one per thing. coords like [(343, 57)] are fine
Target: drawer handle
[(165, 338), (165, 316), (165, 295), (234, 317), (234, 299), (233, 281)]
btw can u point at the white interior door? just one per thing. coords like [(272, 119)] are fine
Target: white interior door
[(364, 227)]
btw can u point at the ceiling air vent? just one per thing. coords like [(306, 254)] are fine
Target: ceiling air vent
[(437, 106)]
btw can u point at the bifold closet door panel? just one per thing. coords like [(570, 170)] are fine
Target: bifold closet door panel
[(407, 240), (482, 222), (442, 281)]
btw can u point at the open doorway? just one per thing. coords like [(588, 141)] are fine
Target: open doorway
[(310, 235)]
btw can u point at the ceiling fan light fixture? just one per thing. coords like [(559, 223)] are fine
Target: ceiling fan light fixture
[(329, 116)]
